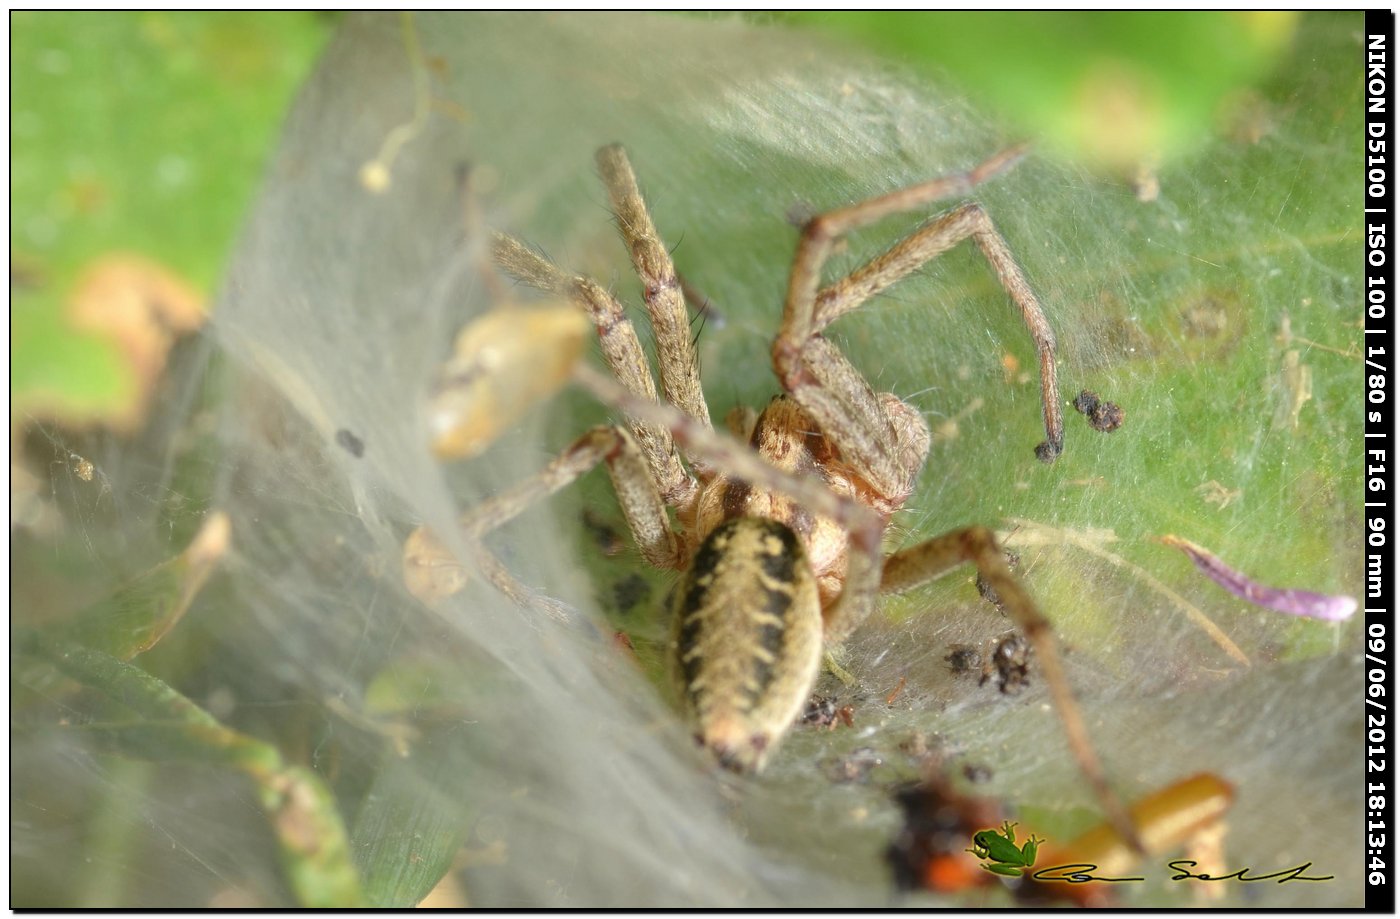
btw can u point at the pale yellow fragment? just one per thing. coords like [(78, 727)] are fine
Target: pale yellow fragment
[(503, 363)]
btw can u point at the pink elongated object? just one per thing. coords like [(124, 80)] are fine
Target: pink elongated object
[(1328, 607)]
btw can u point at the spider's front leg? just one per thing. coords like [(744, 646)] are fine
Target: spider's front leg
[(661, 288)]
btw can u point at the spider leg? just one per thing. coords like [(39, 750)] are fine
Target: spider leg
[(809, 310), (883, 440), (520, 594), (665, 300), (929, 560), (927, 243), (621, 350), (636, 493)]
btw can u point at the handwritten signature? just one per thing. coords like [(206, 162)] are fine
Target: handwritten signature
[(1082, 873)]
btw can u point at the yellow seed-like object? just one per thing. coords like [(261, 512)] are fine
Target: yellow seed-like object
[(502, 364)]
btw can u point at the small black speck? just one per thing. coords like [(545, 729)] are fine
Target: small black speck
[(352, 444), (1103, 416), (823, 712), (964, 659), (977, 773)]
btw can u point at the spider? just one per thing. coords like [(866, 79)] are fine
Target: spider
[(779, 540)]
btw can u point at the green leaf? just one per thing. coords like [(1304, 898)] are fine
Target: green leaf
[(423, 799), (125, 683), (142, 612), (413, 821), (194, 741), (310, 834)]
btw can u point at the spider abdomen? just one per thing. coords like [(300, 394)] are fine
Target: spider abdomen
[(747, 638)]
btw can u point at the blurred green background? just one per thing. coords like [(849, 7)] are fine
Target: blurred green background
[(138, 133), (145, 133)]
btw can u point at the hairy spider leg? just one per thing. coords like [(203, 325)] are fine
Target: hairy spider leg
[(622, 351), (641, 506), (661, 289)]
